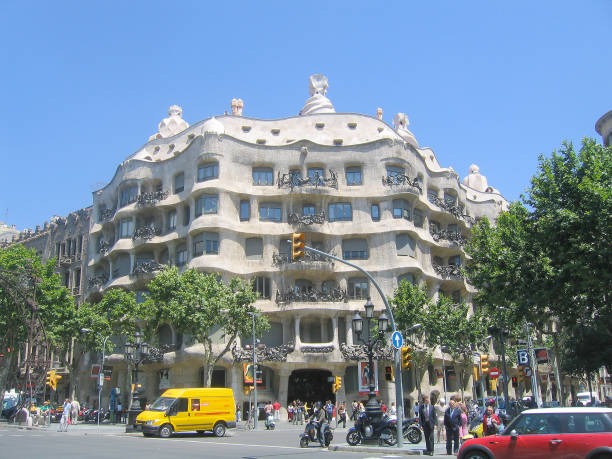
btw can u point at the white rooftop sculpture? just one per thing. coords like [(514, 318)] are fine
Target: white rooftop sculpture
[(318, 103), (477, 181), (172, 125), (400, 123)]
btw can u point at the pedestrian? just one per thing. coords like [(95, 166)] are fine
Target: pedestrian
[(341, 418), (428, 420), (76, 408), (119, 412), (46, 412), (490, 422), (383, 407), (463, 428), (452, 421), (361, 408), (440, 416), (301, 412), (355, 410), (277, 408), (329, 411), (269, 410), (393, 410), (67, 408), (290, 412), (416, 409), (238, 417)]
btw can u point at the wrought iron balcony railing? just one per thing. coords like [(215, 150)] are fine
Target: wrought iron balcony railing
[(97, 281), (311, 295), (456, 210), (150, 198), (452, 236), (412, 184), (293, 181), (107, 214), (279, 259), (146, 232), (297, 219), (264, 353), (147, 267), (448, 270), (103, 247)]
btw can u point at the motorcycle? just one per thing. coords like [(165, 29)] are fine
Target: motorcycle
[(270, 424), (310, 434), (411, 431), (384, 430)]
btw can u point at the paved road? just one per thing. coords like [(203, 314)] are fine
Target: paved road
[(91, 442)]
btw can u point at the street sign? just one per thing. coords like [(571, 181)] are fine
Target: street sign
[(397, 340), (527, 372), (523, 356), (494, 373)]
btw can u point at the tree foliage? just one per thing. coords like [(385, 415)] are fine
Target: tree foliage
[(200, 304), (549, 256)]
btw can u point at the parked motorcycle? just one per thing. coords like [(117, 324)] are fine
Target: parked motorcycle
[(411, 430), (310, 434), (384, 430), (270, 424)]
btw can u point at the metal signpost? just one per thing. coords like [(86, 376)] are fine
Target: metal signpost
[(399, 392)]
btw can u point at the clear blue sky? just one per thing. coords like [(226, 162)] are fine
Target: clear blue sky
[(84, 84)]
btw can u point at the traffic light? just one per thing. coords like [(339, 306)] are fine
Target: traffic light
[(493, 385), (389, 374), (476, 373), (50, 380), (337, 384), (406, 358), (297, 246), (484, 364), (514, 381), (55, 380)]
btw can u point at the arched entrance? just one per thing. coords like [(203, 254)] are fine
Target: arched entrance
[(310, 386)]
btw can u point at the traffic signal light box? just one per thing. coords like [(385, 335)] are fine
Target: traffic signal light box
[(297, 246), (337, 384), (406, 357), (484, 364)]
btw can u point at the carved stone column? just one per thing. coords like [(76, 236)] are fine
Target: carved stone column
[(298, 341), (349, 330), (283, 390), (335, 331)]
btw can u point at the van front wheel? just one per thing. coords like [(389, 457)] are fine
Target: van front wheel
[(165, 431), (219, 429)]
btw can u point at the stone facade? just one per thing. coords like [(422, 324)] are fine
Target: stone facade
[(225, 194)]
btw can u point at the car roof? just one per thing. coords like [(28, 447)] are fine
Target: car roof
[(572, 410)]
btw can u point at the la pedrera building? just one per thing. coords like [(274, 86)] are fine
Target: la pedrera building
[(224, 196)]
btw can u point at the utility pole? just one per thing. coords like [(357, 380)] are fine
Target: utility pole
[(254, 408), (535, 387)]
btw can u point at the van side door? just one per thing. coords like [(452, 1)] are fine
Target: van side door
[(179, 415), (197, 415)]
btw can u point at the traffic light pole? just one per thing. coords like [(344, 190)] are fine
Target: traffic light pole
[(399, 392)]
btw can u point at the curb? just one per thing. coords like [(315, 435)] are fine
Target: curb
[(372, 449)]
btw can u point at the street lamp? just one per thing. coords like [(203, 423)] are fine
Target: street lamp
[(135, 353), (101, 375), (373, 410), (256, 409)]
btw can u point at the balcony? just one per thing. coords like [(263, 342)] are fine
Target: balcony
[(311, 295), (452, 271), (316, 181), (150, 198), (454, 237), (456, 210), (283, 260), (97, 281), (146, 232), (297, 219), (403, 183), (147, 267), (107, 215)]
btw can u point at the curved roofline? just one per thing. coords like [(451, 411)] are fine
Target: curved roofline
[(601, 121)]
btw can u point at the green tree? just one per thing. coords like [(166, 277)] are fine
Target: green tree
[(548, 257), (200, 304)]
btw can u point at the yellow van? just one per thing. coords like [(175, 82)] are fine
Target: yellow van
[(189, 409)]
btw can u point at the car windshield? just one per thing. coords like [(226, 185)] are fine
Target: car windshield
[(162, 404)]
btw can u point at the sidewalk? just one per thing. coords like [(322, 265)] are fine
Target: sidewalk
[(407, 450)]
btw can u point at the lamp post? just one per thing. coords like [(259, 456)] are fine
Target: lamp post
[(373, 410), (135, 354), (101, 375), (256, 409)]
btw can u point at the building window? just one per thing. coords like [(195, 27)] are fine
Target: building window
[(245, 210), (340, 211), (375, 212), (407, 277), (206, 243), (432, 195), (172, 220), (261, 286), (453, 228), (181, 255), (263, 176), (253, 248), (418, 218), (358, 288), (129, 195), (186, 215), (405, 245), (208, 171), (353, 176), (434, 226), (270, 212), (308, 209), (121, 265), (401, 209), (179, 182), (126, 228), (316, 175), (394, 172), (455, 260), (355, 249), (450, 199), (206, 204)]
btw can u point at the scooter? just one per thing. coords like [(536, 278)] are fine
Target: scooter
[(310, 434), (270, 424), (384, 430), (411, 431)]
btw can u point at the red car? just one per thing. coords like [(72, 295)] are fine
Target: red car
[(548, 433)]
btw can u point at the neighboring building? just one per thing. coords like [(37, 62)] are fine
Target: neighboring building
[(604, 128), (225, 194), (7, 233)]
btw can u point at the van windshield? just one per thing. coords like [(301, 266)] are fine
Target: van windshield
[(162, 404)]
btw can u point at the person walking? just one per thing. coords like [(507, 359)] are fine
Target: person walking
[(74, 413), (67, 408), (341, 418), (490, 422), (440, 416), (429, 420), (355, 410), (416, 409), (463, 428), (452, 421), (277, 408), (329, 411), (393, 410)]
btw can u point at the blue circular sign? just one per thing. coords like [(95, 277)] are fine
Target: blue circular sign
[(397, 340)]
